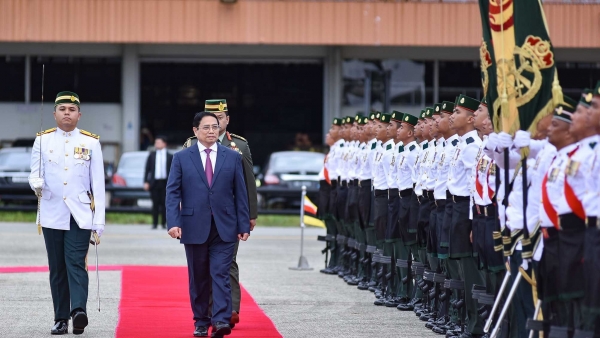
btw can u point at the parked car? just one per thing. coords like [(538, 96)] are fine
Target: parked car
[(130, 174), (14, 175), (284, 175)]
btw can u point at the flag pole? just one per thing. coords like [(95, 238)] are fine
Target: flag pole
[(302, 262)]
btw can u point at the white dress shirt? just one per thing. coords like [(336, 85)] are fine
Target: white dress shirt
[(160, 164), (213, 155)]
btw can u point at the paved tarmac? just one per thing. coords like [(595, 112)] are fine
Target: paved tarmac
[(300, 303)]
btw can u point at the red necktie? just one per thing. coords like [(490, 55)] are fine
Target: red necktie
[(208, 168)]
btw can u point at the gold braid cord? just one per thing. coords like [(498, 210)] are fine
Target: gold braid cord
[(39, 220)]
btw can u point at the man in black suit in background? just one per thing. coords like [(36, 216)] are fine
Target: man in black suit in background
[(156, 173)]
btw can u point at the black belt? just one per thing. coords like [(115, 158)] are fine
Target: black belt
[(344, 183), (380, 192), (550, 233), (429, 194), (456, 198), (392, 191), (355, 181), (406, 193), (591, 221), (440, 203), (364, 183), (570, 221), (485, 209)]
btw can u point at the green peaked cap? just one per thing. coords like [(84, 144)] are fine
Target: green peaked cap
[(564, 111), (586, 97), (337, 121), (66, 97), (215, 105)]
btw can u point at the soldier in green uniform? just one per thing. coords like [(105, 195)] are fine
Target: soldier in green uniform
[(239, 144)]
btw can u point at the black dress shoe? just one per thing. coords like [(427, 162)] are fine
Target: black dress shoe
[(220, 329), (201, 331), (80, 321), (60, 327)]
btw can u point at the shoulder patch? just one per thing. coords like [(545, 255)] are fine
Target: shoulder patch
[(389, 146), (238, 137), (188, 142), (47, 131), (373, 145), (87, 133), (411, 148), (470, 140), (455, 142), (400, 149)]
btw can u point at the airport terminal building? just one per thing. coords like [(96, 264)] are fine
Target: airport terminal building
[(285, 66)]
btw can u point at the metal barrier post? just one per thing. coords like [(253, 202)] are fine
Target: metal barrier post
[(302, 262)]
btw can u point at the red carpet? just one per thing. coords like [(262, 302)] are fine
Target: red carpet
[(155, 303)]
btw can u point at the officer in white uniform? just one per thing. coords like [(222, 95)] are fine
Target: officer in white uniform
[(70, 184)]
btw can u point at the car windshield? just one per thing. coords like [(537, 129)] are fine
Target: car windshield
[(15, 161), (133, 162), (296, 161)]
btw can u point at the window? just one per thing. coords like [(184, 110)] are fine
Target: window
[(94, 79), (12, 73)]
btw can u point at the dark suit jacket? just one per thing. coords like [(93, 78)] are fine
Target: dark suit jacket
[(226, 199), (151, 165)]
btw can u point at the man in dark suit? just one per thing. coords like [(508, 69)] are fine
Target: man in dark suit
[(207, 208), (157, 170)]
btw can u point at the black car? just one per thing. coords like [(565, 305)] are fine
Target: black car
[(284, 175), (14, 176)]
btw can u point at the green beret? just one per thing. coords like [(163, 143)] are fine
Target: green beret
[(377, 115), (215, 105), (423, 114), (66, 97), (448, 107), (466, 102), (428, 113), (564, 111), (348, 120), (437, 109), (586, 98), (410, 119), (385, 118), (337, 121), (358, 116), (372, 115), (397, 116), (362, 120), (484, 101)]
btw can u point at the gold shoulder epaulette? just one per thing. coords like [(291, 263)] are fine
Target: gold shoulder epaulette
[(47, 131), (238, 136), (87, 133), (188, 142)]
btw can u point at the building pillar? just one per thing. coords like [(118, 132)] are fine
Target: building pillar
[(27, 79), (436, 81), (130, 100), (332, 89)]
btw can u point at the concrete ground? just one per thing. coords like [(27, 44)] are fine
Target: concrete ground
[(300, 303)]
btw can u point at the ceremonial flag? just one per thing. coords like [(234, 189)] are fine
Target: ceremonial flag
[(517, 64), (310, 214)]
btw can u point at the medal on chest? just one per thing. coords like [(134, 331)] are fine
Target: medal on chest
[(572, 167), (82, 154), (553, 174), (234, 146)]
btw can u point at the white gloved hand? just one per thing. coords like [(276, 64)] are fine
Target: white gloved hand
[(99, 229), (504, 141), (492, 142), (38, 184), (522, 139), (525, 264)]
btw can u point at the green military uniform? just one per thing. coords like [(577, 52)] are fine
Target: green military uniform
[(239, 144)]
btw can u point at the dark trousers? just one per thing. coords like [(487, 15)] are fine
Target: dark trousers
[(68, 274), (158, 193), (521, 306), (234, 278), (208, 265)]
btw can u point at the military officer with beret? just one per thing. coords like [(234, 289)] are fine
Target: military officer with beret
[(67, 175), (239, 144)]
